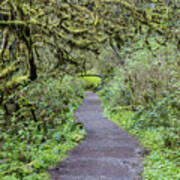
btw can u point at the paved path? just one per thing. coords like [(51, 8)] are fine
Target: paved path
[(107, 153)]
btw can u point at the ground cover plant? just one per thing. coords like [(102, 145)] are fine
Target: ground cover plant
[(39, 134)]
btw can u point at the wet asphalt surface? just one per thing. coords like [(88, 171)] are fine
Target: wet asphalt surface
[(107, 153)]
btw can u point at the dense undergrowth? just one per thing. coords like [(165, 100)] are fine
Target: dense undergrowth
[(40, 132), (144, 98)]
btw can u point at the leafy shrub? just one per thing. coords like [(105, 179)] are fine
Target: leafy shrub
[(143, 97), (40, 132)]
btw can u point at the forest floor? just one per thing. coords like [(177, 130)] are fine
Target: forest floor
[(107, 153)]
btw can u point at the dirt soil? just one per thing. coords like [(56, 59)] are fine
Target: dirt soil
[(107, 153)]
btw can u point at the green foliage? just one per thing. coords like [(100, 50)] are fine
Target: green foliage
[(42, 41), (91, 83), (33, 142), (143, 97), (163, 160)]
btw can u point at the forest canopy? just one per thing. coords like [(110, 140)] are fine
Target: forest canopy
[(67, 31)]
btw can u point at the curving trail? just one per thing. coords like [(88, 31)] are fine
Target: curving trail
[(107, 153)]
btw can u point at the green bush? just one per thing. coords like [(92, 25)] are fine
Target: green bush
[(143, 97), (42, 130)]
